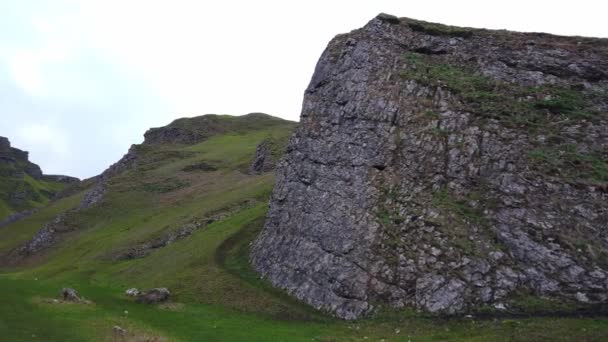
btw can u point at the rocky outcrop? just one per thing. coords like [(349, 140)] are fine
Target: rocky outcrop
[(45, 237), (444, 168), (70, 295), (264, 159), (15, 163), (23, 186)]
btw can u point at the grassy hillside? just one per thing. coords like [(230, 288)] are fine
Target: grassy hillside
[(36, 193), (216, 296)]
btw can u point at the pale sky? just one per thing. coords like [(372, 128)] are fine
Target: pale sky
[(80, 81)]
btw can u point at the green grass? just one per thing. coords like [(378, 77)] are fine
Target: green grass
[(22, 230), (544, 110), (565, 161), (435, 29), (5, 210), (461, 207), (532, 108), (37, 193)]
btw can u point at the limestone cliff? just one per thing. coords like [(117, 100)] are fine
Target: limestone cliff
[(444, 168)]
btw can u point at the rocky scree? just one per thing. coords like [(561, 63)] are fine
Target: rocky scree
[(444, 169), (142, 249)]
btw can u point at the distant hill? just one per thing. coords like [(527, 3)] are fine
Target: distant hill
[(23, 186)]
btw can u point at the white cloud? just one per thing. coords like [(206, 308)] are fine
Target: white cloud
[(25, 69), (49, 146)]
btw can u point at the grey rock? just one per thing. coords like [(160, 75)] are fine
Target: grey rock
[(156, 295), (70, 295), (264, 160), (118, 330), (132, 292), (387, 170), (17, 216)]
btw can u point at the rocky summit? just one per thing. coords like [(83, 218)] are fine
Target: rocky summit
[(444, 169)]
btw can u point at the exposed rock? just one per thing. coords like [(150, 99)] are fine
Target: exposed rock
[(17, 216), (132, 292), (45, 237), (70, 295), (20, 182), (94, 196), (118, 330), (263, 161), (267, 154), (444, 168), (5, 144), (144, 248), (156, 295)]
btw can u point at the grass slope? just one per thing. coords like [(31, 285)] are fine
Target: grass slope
[(36, 193), (216, 295)]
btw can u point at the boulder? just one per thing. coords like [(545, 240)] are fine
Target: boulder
[(132, 292), (70, 295), (118, 330), (157, 295)]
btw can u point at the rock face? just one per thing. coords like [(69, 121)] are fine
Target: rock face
[(444, 168)]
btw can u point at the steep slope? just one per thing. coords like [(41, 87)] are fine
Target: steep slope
[(169, 203), (445, 169), (23, 186), (169, 175)]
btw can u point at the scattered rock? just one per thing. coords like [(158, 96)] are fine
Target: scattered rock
[(581, 297), (144, 248), (119, 330), (500, 306), (132, 292), (70, 295), (156, 295)]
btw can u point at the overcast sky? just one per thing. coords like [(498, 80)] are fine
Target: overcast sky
[(80, 81)]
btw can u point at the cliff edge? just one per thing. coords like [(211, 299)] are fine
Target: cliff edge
[(445, 169)]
